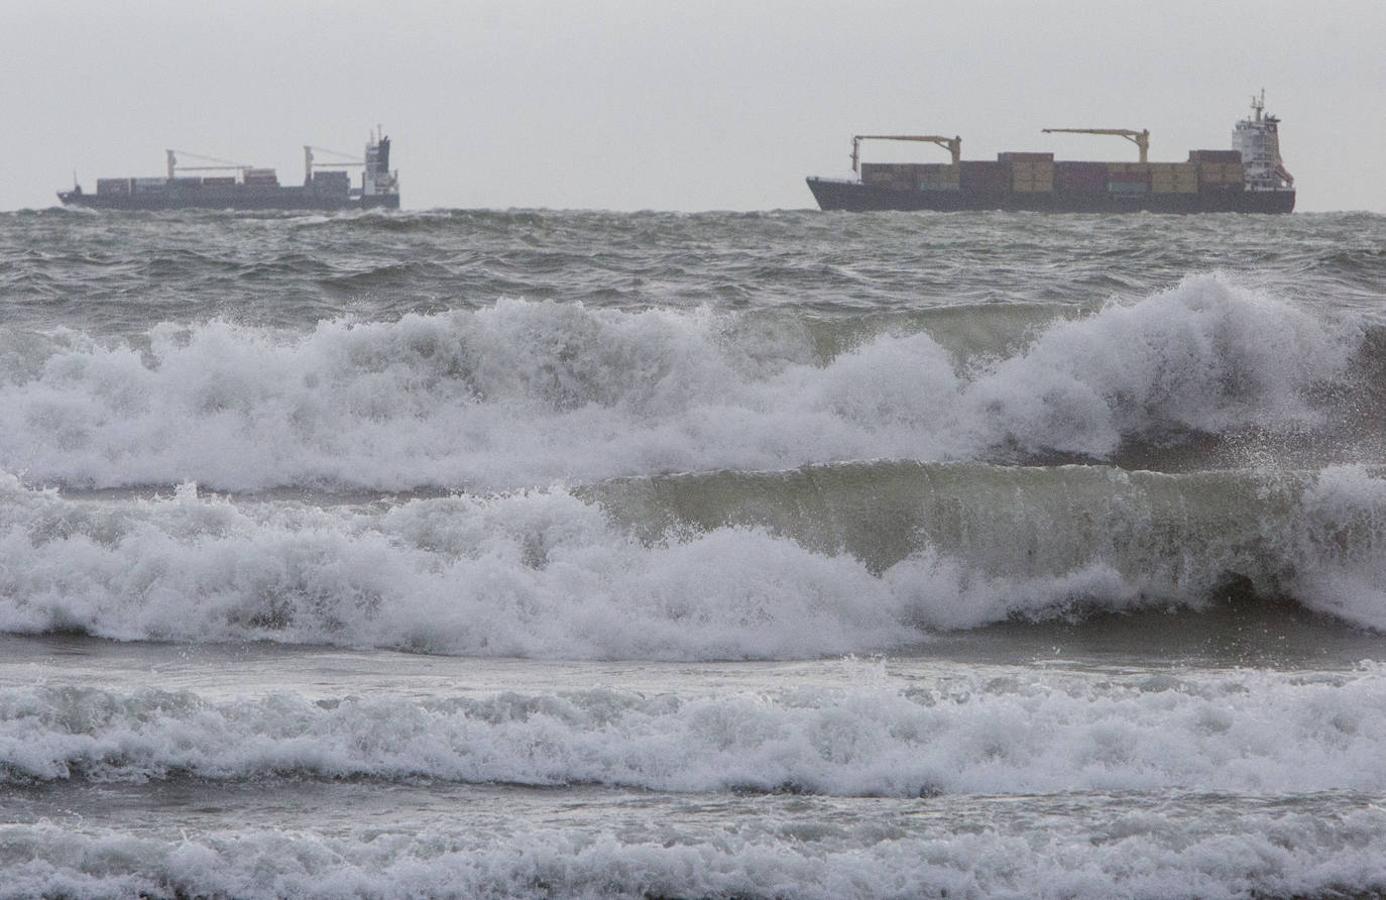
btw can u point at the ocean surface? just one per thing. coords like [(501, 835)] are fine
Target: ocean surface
[(782, 555)]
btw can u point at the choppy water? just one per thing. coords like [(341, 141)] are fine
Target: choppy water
[(783, 555)]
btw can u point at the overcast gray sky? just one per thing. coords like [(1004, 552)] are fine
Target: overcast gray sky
[(694, 105)]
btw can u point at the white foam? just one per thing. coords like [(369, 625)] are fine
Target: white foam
[(522, 393), (547, 574), (991, 733), (1135, 854)]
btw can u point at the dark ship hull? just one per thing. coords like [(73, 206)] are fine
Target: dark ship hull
[(238, 198), (833, 194)]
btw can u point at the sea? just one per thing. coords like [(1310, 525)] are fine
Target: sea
[(548, 554)]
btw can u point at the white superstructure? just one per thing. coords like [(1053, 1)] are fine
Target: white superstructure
[(378, 178), (1258, 138)]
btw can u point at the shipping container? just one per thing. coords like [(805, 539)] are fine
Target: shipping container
[(1217, 173), (113, 185), (1215, 156), (984, 176), (1128, 187), (879, 173), (1015, 157), (219, 181), (1129, 168), (1088, 177)]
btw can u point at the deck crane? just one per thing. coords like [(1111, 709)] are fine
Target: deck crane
[(1140, 138), (308, 160), (952, 144), (225, 164)]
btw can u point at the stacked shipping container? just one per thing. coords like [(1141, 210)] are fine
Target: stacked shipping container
[(938, 177), (1173, 178), (1032, 177), (1032, 173), (982, 177), (896, 176), (1080, 177), (1128, 178), (1221, 177), (910, 176)]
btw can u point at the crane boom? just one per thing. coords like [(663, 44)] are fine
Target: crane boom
[(309, 160), (1140, 138), (952, 144), (173, 165)]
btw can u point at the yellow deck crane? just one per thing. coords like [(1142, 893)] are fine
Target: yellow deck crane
[(1140, 138), (952, 144)]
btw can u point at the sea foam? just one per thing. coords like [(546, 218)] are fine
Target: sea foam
[(554, 574), (523, 393), (993, 731)]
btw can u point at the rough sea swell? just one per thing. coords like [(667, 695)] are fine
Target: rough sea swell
[(523, 393), (786, 555), (857, 558)]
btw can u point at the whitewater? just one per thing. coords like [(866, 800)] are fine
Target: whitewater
[(550, 554)]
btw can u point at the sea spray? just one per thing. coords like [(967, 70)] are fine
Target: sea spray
[(522, 393), (662, 569)]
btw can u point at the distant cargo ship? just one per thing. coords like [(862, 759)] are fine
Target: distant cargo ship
[(326, 185), (1250, 178)]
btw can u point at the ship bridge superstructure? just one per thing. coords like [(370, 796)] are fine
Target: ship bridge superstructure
[(378, 179), (1258, 139)]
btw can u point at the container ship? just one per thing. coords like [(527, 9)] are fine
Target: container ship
[(326, 184), (1250, 178)]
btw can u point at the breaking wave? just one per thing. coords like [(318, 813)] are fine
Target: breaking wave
[(524, 393), (781, 565), (1139, 850), (983, 733)]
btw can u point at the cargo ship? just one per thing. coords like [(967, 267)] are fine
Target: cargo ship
[(326, 184), (1249, 178)]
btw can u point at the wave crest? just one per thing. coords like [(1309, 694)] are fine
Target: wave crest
[(522, 393), (844, 559)]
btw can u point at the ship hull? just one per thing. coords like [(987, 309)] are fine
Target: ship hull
[(855, 196), (281, 198)]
